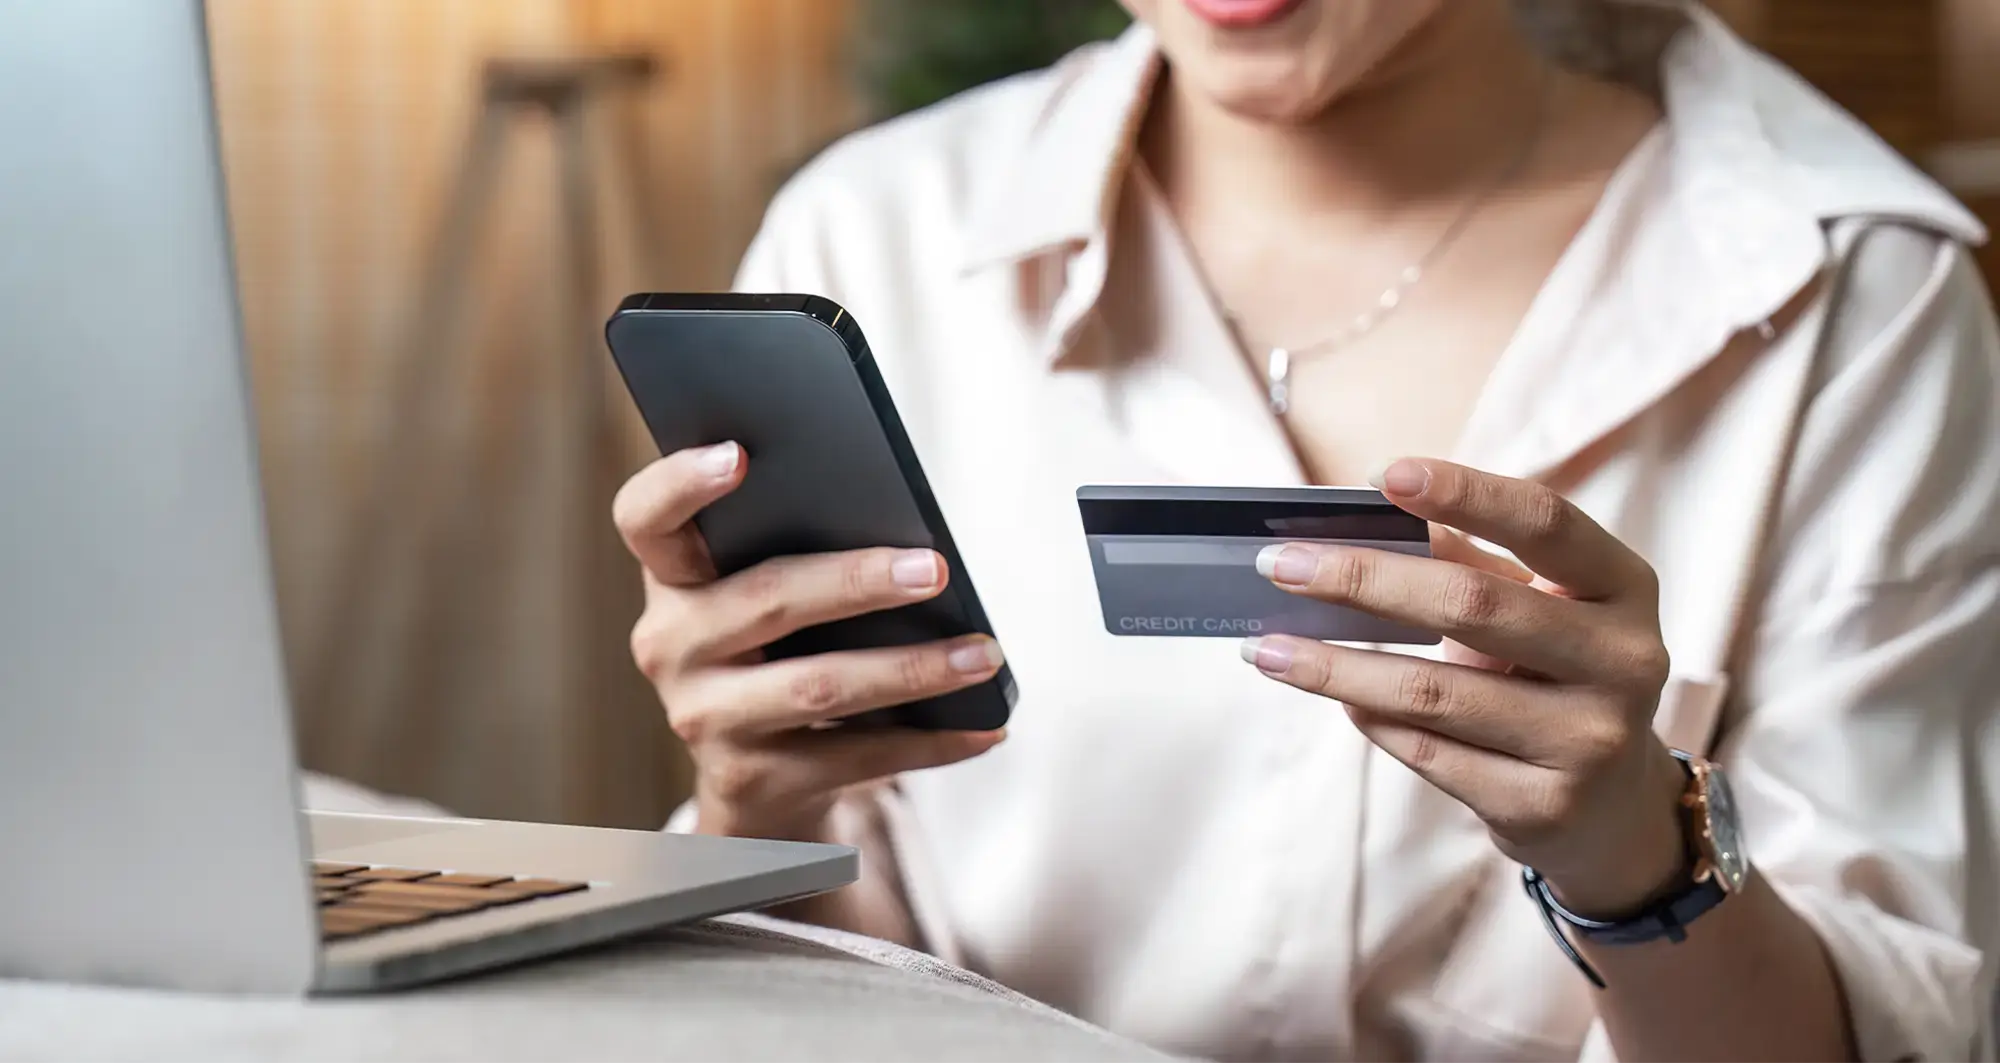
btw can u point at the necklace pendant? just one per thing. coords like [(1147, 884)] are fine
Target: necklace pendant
[(1277, 378)]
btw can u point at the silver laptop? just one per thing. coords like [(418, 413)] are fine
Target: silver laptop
[(150, 831)]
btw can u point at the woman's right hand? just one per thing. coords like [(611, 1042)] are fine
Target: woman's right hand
[(762, 767)]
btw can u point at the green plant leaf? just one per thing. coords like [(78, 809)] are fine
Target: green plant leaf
[(914, 53)]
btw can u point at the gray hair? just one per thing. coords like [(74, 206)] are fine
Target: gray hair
[(1622, 40)]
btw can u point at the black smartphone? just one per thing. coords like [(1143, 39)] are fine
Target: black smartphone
[(791, 379)]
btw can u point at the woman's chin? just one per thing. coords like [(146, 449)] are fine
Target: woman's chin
[(1277, 100)]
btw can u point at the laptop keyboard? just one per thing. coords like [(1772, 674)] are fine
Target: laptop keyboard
[(356, 899)]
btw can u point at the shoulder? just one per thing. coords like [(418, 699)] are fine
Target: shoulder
[(919, 162), (1914, 296), (1907, 275), (1776, 146), (1776, 182), (1828, 161), (1915, 315), (1902, 438)]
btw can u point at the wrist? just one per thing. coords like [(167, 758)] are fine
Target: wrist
[(718, 818), (1645, 856)]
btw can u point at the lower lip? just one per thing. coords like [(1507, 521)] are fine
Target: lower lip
[(1241, 14)]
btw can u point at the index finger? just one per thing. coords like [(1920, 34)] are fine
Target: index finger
[(1546, 531), (654, 509)]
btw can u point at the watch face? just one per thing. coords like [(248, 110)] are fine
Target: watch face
[(1724, 833)]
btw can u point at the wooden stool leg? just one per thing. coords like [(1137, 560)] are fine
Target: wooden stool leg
[(609, 703), (665, 764), (398, 482), (637, 177), (425, 529), (592, 623)]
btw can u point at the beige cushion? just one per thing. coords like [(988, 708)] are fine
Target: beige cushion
[(740, 988)]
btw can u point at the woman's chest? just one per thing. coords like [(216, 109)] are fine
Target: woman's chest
[(1146, 778), (1374, 351), (1409, 391), (1007, 440)]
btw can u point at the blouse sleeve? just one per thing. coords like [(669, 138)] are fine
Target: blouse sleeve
[(1866, 756)]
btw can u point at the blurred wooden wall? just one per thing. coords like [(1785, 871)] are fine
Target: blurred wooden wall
[(1879, 58), (342, 122), (1923, 73), (1970, 63)]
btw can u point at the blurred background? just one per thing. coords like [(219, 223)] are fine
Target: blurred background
[(437, 203)]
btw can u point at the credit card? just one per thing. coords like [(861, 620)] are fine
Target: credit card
[(1181, 562)]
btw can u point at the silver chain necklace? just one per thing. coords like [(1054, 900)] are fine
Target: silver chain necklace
[(1278, 361)]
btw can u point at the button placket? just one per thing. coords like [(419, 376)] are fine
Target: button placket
[(1318, 865)]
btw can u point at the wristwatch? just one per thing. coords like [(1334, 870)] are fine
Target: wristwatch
[(1716, 868)]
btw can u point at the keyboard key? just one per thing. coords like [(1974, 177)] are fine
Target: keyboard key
[(358, 899), (405, 916), (417, 902), (337, 922), (391, 874), (462, 878), (342, 917), (386, 911), (426, 889)]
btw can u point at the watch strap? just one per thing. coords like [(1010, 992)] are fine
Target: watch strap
[(1538, 891), (1666, 917)]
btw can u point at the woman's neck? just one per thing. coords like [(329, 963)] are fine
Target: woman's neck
[(1435, 119)]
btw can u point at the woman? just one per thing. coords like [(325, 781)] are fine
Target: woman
[(1297, 241)]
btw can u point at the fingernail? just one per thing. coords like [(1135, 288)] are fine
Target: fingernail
[(915, 570), (1289, 565), (1403, 477), (975, 658), (719, 460), (1271, 658)]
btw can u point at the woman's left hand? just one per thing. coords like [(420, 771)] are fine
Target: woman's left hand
[(1540, 717)]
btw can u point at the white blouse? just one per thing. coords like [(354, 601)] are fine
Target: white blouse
[(1180, 850)]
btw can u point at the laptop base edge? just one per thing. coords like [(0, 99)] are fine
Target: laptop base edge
[(574, 931)]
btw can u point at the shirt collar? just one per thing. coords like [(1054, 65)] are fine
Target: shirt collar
[(1059, 186), (1748, 129), (1763, 162)]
